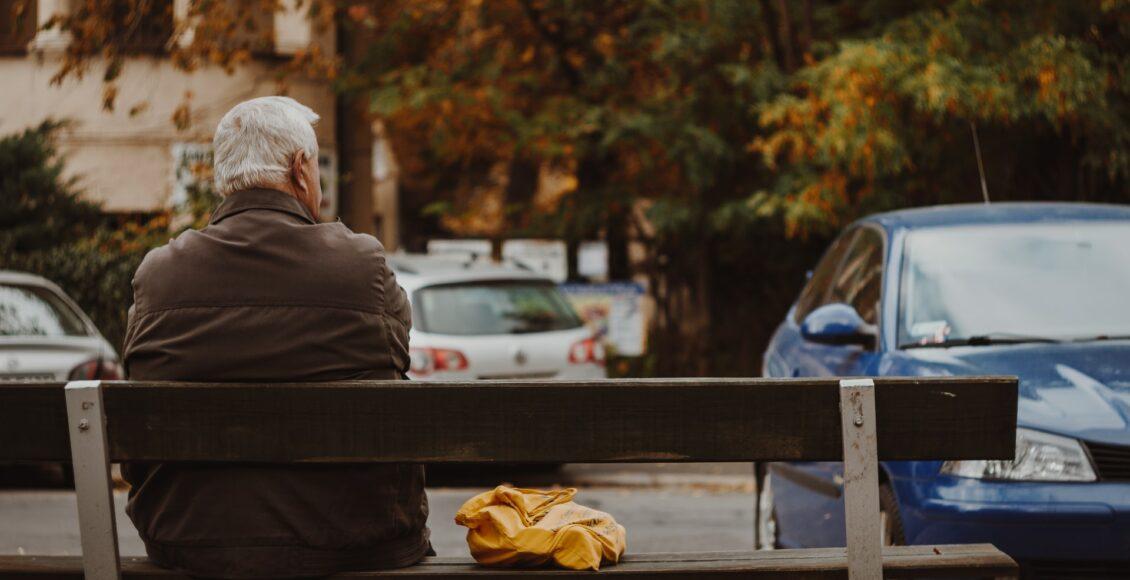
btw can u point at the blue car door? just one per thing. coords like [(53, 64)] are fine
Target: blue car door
[(809, 508)]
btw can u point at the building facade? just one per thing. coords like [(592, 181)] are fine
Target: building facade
[(133, 159)]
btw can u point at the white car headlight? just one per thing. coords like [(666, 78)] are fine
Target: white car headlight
[(1039, 457)]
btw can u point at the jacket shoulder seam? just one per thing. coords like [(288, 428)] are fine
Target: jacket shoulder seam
[(325, 305)]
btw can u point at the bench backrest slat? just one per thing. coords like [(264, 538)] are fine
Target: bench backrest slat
[(518, 421)]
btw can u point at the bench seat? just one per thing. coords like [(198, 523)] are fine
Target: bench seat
[(967, 560)]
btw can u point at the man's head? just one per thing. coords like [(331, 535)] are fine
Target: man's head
[(269, 142)]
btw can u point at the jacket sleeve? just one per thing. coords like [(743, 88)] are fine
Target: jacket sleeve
[(131, 318), (398, 320), (129, 348)]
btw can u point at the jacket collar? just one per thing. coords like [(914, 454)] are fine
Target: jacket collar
[(268, 199)]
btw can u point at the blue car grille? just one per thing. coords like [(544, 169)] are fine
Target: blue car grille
[(1111, 461)]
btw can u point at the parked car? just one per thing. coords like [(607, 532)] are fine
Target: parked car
[(45, 336), (1041, 291), (473, 319)]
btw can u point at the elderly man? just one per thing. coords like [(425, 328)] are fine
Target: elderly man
[(266, 293)]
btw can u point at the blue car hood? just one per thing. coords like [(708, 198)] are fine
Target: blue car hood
[(1080, 390)]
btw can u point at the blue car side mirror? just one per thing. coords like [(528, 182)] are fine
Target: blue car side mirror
[(837, 323)]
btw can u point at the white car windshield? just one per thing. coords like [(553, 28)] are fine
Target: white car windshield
[(503, 307), (1019, 282), (36, 311)]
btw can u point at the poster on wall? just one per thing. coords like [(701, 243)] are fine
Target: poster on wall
[(592, 260), (614, 311), (192, 162)]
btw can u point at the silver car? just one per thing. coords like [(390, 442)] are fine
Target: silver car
[(480, 320), (45, 336)]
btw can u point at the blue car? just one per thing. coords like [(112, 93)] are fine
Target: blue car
[(1037, 290)]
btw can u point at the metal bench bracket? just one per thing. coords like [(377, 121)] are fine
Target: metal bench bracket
[(861, 479), (86, 419)]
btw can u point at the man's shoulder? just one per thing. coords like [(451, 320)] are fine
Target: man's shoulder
[(312, 262), (352, 245), (364, 243), (333, 236), (160, 258)]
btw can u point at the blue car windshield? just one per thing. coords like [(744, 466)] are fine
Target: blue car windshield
[(1063, 281)]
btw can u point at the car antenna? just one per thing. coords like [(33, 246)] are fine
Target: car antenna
[(980, 163), (520, 265), (403, 267)]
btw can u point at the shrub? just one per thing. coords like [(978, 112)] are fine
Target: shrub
[(38, 208)]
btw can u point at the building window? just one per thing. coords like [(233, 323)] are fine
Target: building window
[(17, 24), (145, 25), (237, 28), (254, 27)]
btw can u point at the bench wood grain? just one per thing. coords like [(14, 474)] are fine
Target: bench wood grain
[(667, 420), (971, 560)]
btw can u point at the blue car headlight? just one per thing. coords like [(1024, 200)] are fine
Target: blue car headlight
[(1039, 457)]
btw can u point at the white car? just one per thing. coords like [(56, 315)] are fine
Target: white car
[(479, 320), (45, 336)]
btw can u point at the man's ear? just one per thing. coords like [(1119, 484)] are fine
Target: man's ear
[(298, 171)]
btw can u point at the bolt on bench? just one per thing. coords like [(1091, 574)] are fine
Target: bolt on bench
[(679, 420)]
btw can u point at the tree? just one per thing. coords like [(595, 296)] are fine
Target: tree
[(887, 120), (639, 102), (731, 120), (38, 208), (222, 33)]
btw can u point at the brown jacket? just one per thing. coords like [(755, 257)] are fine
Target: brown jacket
[(264, 293)]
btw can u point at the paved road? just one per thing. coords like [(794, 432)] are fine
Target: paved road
[(664, 507)]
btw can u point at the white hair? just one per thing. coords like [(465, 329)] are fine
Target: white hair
[(256, 141)]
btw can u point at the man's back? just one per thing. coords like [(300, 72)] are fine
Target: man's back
[(264, 293)]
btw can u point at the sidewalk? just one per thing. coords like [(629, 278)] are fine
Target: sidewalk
[(665, 509)]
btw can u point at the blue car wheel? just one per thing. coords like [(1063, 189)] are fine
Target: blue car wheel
[(890, 520)]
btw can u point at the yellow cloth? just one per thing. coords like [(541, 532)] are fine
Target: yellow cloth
[(527, 527)]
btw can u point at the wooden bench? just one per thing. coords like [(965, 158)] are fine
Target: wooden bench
[(678, 420)]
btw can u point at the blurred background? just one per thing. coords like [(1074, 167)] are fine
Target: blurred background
[(677, 164)]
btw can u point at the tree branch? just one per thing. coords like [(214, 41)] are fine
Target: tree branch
[(769, 21), (785, 30), (556, 41), (806, 28)]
